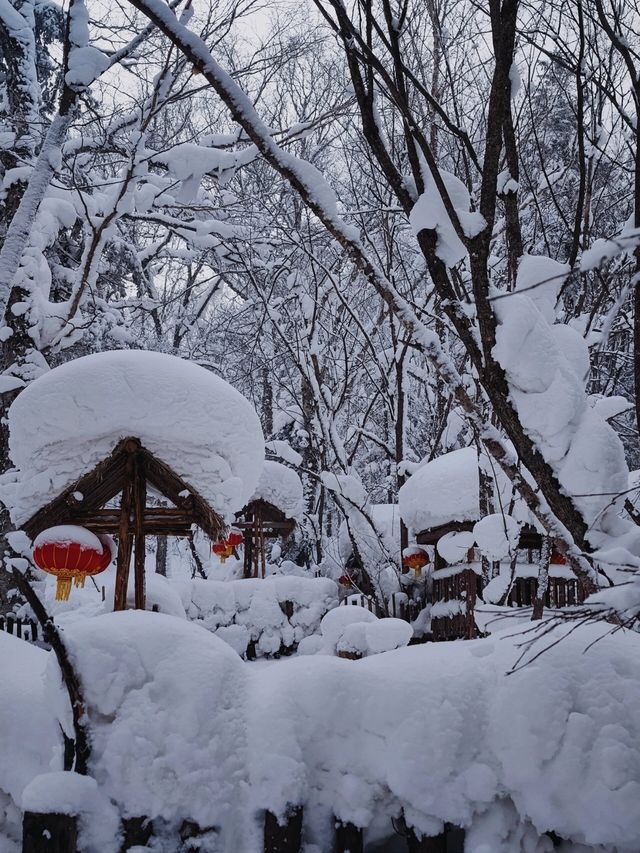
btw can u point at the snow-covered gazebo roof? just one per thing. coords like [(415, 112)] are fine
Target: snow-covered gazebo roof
[(442, 491), (281, 487), (70, 419)]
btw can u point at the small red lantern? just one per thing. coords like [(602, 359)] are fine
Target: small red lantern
[(70, 553), (222, 549), (416, 559), (344, 580), (557, 559), (235, 538)]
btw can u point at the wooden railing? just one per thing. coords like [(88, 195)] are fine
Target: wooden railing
[(25, 629)]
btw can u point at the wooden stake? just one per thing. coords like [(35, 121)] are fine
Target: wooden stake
[(283, 837), (139, 502), (348, 838), (124, 538), (49, 833)]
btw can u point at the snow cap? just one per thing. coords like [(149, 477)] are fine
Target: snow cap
[(444, 490), (281, 487), (71, 418)]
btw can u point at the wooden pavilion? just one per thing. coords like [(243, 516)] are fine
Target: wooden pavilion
[(131, 471), (260, 520)]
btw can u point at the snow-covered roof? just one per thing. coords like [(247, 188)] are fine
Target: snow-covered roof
[(444, 490), (71, 418), (281, 487)]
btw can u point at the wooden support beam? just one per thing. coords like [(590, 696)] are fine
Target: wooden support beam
[(283, 837), (139, 502), (124, 538), (426, 843), (347, 838), (49, 833), (136, 832)]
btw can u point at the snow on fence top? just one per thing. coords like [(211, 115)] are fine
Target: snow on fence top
[(444, 490), (178, 726), (282, 488), (71, 418)]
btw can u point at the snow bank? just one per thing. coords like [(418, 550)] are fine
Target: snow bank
[(357, 631), (281, 487), (182, 728), (30, 741), (255, 610), (440, 730), (164, 703), (443, 490), (71, 418)]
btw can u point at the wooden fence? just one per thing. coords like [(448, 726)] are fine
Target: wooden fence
[(25, 629)]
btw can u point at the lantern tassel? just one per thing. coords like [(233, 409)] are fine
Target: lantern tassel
[(63, 589)]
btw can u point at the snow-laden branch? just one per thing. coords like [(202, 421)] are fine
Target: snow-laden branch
[(320, 199)]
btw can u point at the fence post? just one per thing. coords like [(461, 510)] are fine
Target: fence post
[(136, 831), (49, 833), (348, 838), (283, 837), (426, 843)]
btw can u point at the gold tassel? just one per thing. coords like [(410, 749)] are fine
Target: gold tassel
[(63, 589), (79, 580)]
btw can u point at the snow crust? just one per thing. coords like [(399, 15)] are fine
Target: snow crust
[(443, 490), (71, 418), (281, 486)]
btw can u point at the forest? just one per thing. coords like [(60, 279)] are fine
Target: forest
[(320, 332)]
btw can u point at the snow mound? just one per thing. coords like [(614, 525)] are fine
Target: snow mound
[(443, 490), (281, 487), (273, 613), (164, 704), (71, 418), (30, 741)]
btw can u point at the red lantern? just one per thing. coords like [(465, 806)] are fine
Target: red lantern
[(222, 549), (557, 559), (235, 538), (416, 560), (70, 553), (344, 580)]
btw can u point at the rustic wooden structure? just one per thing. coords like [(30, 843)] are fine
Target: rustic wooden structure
[(131, 471), (462, 586), (260, 520)]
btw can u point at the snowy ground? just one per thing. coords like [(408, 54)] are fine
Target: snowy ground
[(183, 728)]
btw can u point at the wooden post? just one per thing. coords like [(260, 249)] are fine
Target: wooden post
[(139, 501), (137, 831), (348, 838), (426, 843), (283, 837), (124, 537), (49, 833)]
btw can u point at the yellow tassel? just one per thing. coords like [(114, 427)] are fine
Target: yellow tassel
[(63, 589), (79, 580)]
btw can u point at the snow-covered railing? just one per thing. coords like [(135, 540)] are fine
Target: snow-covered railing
[(25, 629)]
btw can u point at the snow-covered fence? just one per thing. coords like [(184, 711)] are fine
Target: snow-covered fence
[(25, 629)]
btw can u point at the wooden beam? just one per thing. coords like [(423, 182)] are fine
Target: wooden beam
[(125, 541), (139, 502)]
